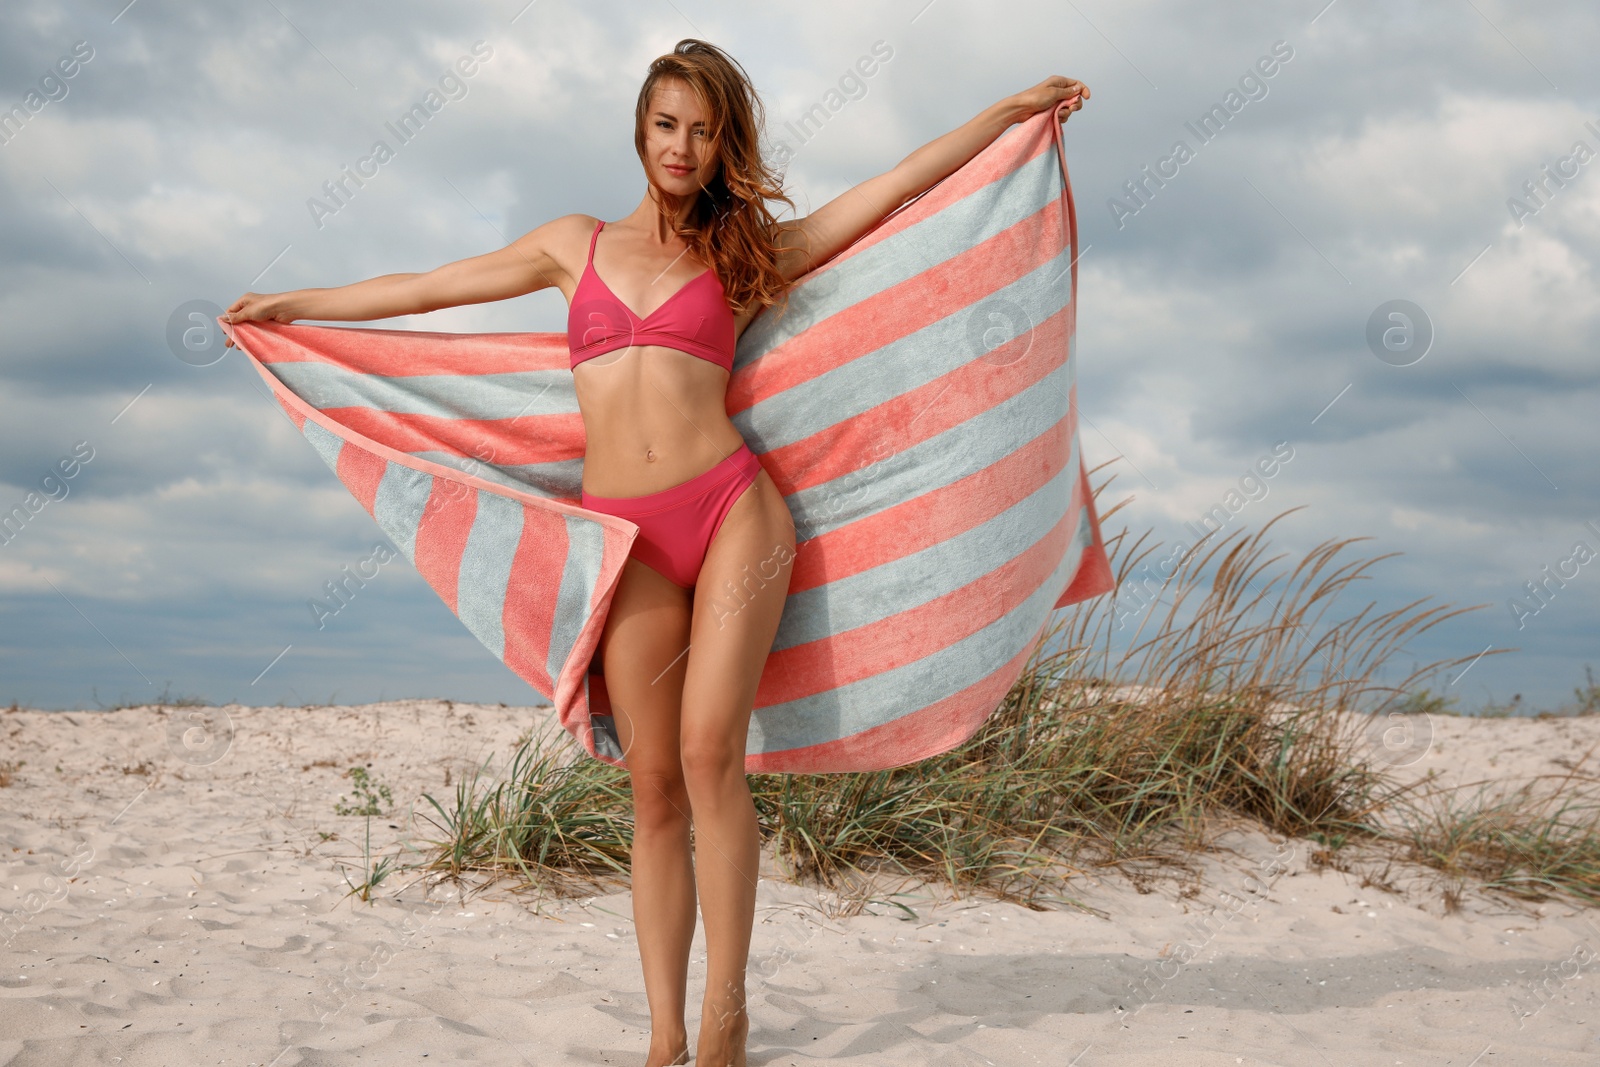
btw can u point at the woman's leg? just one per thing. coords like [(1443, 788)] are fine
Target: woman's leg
[(731, 634), (646, 630)]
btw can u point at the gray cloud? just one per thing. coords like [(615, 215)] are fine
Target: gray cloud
[(1227, 313)]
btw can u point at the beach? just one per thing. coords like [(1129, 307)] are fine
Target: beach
[(173, 897)]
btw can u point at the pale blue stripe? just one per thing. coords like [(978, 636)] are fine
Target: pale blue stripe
[(486, 569), (1083, 536), (606, 740), (850, 709), (579, 576), (561, 478), (327, 443), (450, 396), (402, 495)]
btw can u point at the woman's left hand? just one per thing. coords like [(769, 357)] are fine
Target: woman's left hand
[(1066, 95)]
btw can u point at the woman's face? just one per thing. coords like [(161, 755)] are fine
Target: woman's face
[(677, 141)]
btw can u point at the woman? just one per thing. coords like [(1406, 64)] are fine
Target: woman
[(656, 303)]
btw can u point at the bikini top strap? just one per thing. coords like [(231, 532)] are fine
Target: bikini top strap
[(592, 238)]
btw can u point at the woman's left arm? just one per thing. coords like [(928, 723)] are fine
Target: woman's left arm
[(816, 238)]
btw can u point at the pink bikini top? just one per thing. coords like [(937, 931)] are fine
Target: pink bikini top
[(696, 319)]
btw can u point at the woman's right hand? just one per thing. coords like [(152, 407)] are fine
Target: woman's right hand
[(259, 307)]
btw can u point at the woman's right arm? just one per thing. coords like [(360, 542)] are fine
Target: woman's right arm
[(524, 266)]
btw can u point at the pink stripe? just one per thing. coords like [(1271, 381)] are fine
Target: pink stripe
[(398, 353), (361, 471), (501, 442), (442, 536), (530, 606), (295, 417)]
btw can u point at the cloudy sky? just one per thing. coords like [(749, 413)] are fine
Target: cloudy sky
[(1238, 305)]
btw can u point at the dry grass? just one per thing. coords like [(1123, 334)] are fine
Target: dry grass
[(564, 823)]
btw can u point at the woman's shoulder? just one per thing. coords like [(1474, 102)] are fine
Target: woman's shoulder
[(564, 239), (564, 229), (567, 226)]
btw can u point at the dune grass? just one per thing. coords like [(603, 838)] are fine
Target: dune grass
[(1235, 708), (562, 822)]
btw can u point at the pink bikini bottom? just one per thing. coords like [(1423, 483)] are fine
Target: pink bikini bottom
[(677, 524)]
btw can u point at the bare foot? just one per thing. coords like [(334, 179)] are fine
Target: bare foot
[(724, 1031), (668, 1051)]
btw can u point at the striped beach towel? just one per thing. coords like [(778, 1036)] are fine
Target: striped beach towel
[(915, 404)]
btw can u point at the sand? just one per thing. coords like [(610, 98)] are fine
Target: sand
[(175, 899)]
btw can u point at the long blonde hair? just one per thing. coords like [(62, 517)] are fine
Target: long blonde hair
[(729, 225)]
